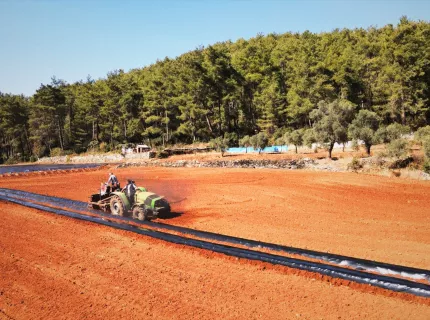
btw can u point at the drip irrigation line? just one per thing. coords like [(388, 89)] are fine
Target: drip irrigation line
[(341, 260), (389, 283)]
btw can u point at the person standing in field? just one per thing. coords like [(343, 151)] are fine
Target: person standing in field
[(130, 190)]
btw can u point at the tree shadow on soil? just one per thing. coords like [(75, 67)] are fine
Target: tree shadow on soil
[(332, 158)]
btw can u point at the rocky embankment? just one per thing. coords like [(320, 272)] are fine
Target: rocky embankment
[(248, 163), (48, 172), (370, 165), (103, 158)]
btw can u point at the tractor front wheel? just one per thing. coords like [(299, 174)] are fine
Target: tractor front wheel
[(139, 213), (116, 206)]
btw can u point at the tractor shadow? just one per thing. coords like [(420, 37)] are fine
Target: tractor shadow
[(170, 215)]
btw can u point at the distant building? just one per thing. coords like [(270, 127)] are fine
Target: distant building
[(142, 148)]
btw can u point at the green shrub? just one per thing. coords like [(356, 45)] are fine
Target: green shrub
[(382, 154), (397, 148), (93, 145), (380, 160), (68, 152), (392, 132), (162, 154), (103, 147), (422, 133), (12, 160), (56, 152), (355, 164), (426, 166), (426, 147), (39, 150)]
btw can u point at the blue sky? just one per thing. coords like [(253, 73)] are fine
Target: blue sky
[(73, 39)]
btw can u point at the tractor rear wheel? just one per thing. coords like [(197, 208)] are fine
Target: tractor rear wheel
[(139, 213), (116, 206)]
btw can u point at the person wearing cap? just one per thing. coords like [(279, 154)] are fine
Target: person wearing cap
[(113, 181), (130, 190)]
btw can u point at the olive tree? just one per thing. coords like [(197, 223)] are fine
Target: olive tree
[(220, 144), (364, 127), (295, 138), (309, 137), (392, 132), (397, 148), (331, 121), (259, 141), (245, 142)]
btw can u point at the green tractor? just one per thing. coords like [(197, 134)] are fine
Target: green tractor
[(145, 205)]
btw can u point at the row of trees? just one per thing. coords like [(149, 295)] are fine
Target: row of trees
[(270, 84), (335, 123)]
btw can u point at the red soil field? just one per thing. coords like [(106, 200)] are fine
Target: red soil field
[(56, 267)]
